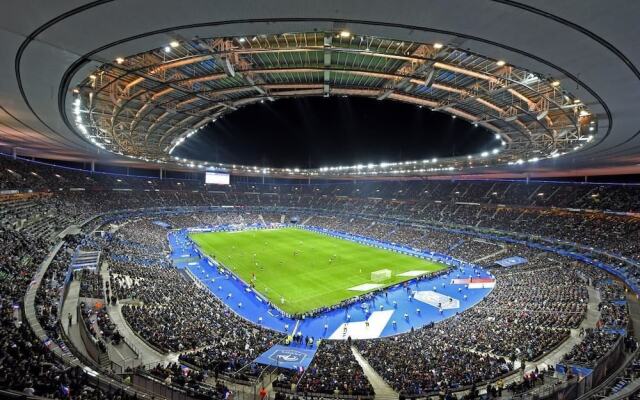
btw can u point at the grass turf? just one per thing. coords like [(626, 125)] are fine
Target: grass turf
[(307, 280)]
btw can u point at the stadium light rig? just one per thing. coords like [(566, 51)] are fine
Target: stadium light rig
[(508, 151)]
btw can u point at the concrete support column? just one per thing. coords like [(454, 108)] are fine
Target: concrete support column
[(93, 166), (14, 153), (160, 173)]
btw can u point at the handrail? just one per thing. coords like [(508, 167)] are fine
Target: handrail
[(611, 378), (13, 395), (607, 354), (68, 359)]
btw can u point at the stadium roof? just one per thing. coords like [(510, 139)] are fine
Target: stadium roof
[(556, 81)]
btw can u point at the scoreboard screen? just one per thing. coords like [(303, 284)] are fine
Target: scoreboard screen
[(216, 178)]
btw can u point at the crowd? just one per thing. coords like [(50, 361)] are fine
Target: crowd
[(333, 371), (91, 284), (50, 291), (614, 316), (193, 381), (528, 313), (26, 363), (194, 319), (423, 363), (594, 345), (174, 314), (493, 205)]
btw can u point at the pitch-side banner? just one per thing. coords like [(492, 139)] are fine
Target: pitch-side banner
[(291, 357)]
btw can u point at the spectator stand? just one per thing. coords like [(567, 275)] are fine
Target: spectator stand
[(509, 237), (621, 384), (58, 348), (105, 199), (589, 376)]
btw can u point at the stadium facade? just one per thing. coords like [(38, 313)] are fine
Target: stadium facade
[(496, 283)]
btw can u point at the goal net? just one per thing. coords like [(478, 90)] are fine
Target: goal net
[(381, 275)]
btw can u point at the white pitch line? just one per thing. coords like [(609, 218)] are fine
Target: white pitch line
[(359, 330)]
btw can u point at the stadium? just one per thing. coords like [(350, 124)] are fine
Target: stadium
[(297, 200)]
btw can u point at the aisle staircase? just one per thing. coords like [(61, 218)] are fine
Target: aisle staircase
[(381, 388), (104, 360)]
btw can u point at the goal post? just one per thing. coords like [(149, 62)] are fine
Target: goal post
[(381, 275)]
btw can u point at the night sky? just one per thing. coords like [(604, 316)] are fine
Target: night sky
[(314, 132)]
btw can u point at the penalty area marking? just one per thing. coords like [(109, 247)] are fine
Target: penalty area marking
[(365, 287), (482, 285), (359, 330), (436, 299)]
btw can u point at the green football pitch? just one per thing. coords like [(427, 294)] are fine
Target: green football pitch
[(308, 269)]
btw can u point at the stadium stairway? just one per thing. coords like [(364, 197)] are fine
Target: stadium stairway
[(69, 307), (555, 356), (146, 355), (381, 388), (591, 318), (634, 314)]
